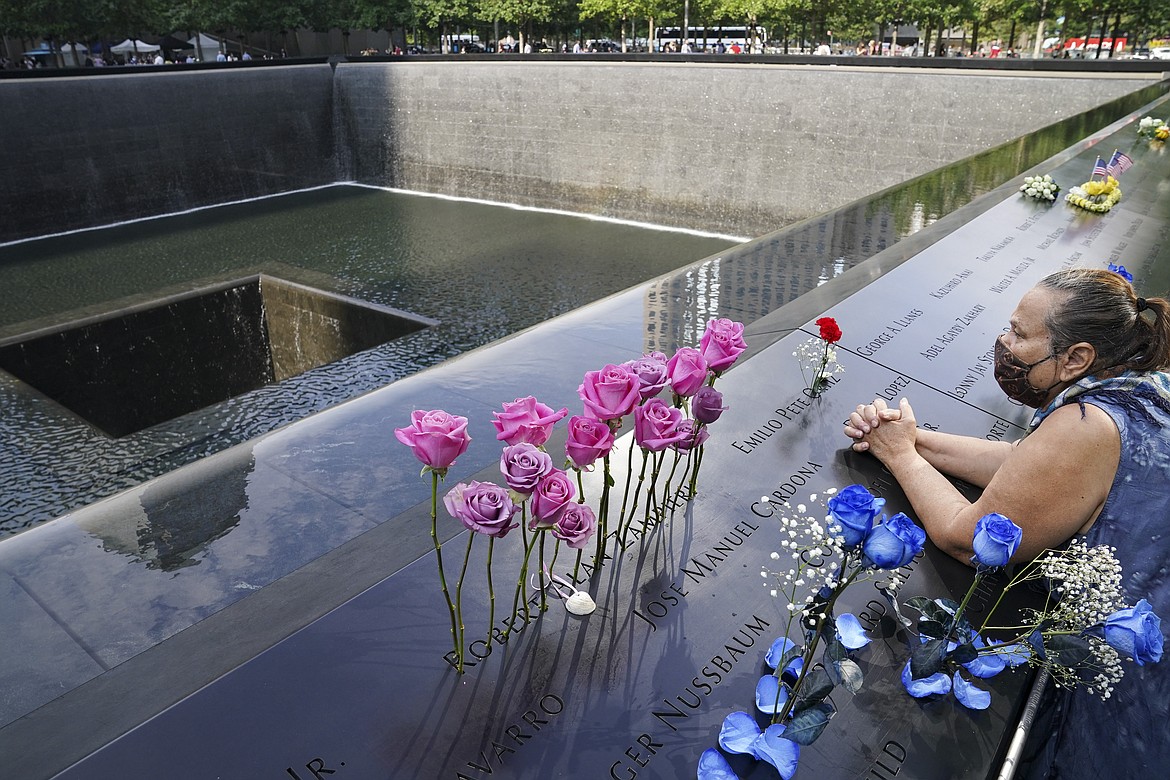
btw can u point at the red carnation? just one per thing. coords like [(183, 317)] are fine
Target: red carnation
[(829, 330)]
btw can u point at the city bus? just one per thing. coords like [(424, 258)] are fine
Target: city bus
[(749, 39)]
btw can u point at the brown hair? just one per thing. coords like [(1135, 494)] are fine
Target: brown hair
[(1103, 309)]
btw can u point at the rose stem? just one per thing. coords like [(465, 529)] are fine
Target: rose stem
[(442, 577)]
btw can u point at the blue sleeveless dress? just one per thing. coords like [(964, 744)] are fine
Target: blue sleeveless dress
[(1127, 735)]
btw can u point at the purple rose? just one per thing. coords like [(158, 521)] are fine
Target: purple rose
[(576, 525), (482, 507), (523, 465), (526, 420), (722, 343), (693, 435), (707, 405), (610, 393), (853, 510), (894, 543), (996, 540), (651, 373), (435, 437), (688, 371), (553, 493), (656, 425), (1136, 632), (588, 440)]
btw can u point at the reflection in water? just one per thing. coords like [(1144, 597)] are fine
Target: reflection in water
[(758, 277), (172, 529)]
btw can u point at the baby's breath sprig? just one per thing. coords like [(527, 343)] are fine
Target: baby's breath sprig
[(1084, 590), (820, 555)]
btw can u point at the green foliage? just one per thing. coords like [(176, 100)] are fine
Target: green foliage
[(850, 20), (518, 12)]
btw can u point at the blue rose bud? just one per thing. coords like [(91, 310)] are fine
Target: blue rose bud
[(996, 540), (894, 543), (1136, 632), (854, 509)]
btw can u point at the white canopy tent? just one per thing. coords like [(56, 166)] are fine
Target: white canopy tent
[(209, 44), (131, 46)]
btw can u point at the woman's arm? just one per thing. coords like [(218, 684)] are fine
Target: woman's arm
[(965, 457), (1052, 484)]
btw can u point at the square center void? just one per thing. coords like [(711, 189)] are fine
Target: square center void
[(127, 370)]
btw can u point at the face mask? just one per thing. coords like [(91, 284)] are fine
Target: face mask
[(1012, 375)]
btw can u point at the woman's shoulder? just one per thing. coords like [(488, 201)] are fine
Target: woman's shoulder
[(1075, 422)]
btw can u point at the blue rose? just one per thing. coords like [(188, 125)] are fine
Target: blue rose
[(854, 509), (894, 543), (1136, 632), (996, 540)]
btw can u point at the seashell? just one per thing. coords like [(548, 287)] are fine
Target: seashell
[(580, 603)]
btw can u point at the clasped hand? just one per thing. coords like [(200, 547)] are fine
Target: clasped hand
[(880, 430)]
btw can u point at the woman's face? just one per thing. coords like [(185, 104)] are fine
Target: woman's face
[(1028, 337)]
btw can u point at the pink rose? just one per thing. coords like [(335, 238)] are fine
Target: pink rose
[(693, 435), (722, 343), (656, 425), (651, 373), (707, 405), (482, 507), (576, 525), (588, 440), (553, 493), (526, 419), (435, 437), (688, 371), (610, 393), (523, 465)]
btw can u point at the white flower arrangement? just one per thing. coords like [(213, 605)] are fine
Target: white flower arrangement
[(1152, 127), (1040, 187)]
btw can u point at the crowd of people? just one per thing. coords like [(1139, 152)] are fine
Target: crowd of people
[(142, 58)]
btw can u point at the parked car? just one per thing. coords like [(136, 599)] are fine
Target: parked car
[(1160, 53)]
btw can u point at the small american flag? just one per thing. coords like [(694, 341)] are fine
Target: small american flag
[(1099, 169), (1120, 163)]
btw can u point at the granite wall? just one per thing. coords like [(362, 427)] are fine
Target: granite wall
[(735, 148), (742, 148), (91, 150)]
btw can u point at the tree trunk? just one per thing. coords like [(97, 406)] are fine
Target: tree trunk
[(623, 35), (1012, 36), (1113, 34), (650, 34), (975, 35), (926, 43)]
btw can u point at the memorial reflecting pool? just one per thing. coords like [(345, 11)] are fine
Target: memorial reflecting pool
[(483, 272)]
